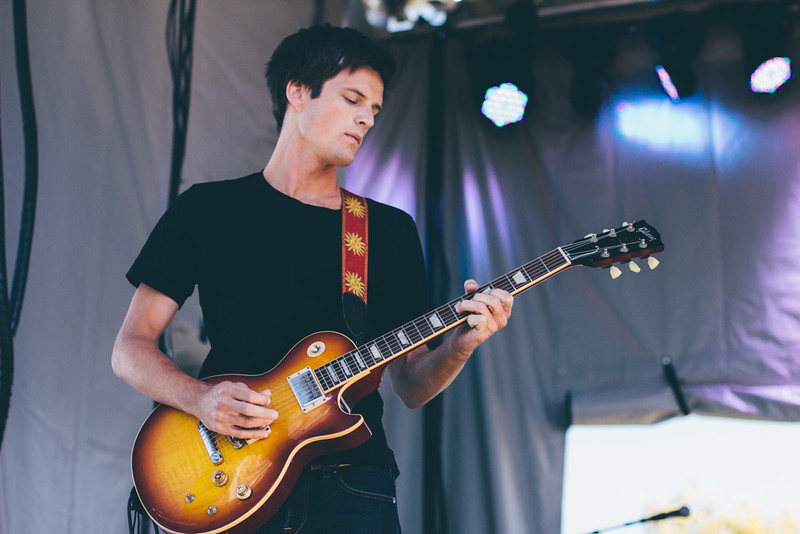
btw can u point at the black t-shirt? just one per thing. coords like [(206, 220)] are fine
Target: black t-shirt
[(268, 272)]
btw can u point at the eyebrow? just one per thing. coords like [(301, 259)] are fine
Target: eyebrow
[(376, 107)]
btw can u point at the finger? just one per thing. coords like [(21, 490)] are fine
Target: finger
[(477, 322), (471, 285), (248, 433), (256, 412)]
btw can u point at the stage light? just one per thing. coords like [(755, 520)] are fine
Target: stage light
[(765, 31), (677, 39), (771, 75), (501, 78), (504, 104)]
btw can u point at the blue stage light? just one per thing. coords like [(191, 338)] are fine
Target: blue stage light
[(504, 104)]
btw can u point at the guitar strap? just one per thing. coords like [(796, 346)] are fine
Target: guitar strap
[(355, 248)]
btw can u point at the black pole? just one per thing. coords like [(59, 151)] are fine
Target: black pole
[(11, 306), (434, 505)]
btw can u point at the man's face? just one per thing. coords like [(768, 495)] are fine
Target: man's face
[(334, 124)]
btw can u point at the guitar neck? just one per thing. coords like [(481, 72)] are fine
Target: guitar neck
[(379, 351)]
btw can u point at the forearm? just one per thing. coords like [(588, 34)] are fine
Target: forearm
[(138, 361), (423, 374)]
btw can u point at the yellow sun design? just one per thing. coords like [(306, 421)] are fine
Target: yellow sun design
[(354, 283), (355, 244), (354, 206)]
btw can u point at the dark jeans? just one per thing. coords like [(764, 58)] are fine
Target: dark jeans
[(357, 499)]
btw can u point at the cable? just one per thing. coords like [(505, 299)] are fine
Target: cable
[(11, 308)]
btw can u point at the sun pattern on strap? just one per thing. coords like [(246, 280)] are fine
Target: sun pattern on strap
[(355, 206), (355, 245), (355, 284)]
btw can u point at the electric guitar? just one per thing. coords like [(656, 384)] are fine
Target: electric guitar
[(193, 481)]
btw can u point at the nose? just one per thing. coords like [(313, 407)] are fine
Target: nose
[(366, 119)]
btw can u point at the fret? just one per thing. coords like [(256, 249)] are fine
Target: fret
[(361, 363), (448, 313), (331, 374), (505, 283), (532, 271), (321, 377), (402, 338), (384, 346), (420, 337), (520, 278), (435, 321), (367, 356), (376, 353), (544, 265), (423, 326), (339, 372), (346, 366)]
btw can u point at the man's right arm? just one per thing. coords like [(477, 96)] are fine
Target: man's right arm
[(229, 408)]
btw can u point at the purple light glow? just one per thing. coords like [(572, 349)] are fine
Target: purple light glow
[(771, 75)]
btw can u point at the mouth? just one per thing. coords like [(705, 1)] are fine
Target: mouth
[(355, 137)]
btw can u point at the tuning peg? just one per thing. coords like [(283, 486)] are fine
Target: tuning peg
[(633, 266), (615, 272), (652, 262), (629, 226), (591, 237)]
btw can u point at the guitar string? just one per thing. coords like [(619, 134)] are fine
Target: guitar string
[(284, 400), (390, 340)]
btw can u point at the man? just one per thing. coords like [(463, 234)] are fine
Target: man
[(265, 253)]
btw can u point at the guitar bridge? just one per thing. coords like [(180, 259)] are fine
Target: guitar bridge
[(307, 390), (210, 443)]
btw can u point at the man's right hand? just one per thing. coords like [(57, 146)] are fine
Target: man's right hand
[(233, 409)]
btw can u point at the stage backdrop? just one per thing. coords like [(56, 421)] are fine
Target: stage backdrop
[(718, 175)]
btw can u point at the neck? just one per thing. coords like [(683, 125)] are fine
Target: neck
[(303, 177)]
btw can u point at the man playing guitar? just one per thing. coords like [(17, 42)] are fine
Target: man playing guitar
[(264, 251)]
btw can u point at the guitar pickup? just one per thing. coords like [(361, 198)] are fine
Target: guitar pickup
[(307, 390)]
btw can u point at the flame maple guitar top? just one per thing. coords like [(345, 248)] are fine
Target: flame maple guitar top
[(185, 492)]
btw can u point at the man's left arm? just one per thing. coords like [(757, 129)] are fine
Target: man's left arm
[(422, 374)]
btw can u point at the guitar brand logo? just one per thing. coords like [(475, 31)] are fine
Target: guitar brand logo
[(647, 234)]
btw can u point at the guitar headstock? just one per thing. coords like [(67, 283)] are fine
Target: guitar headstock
[(623, 244)]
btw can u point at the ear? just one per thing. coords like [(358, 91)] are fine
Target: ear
[(296, 94)]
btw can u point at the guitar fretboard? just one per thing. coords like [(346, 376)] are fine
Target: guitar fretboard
[(434, 323)]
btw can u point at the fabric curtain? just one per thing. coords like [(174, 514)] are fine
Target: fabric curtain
[(718, 175)]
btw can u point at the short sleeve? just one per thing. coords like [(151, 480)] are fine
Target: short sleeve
[(167, 261)]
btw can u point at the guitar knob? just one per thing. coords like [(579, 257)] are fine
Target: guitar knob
[(211, 510), (615, 272), (633, 266), (652, 262), (243, 491), (219, 478)]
